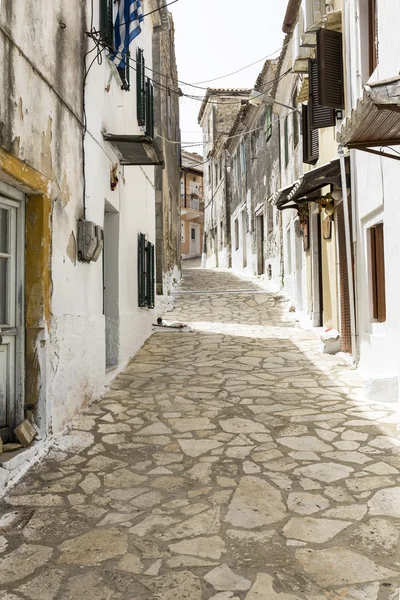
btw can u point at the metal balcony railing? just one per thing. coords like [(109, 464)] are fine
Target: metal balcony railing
[(192, 201)]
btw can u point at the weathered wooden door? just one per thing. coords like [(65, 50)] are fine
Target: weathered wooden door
[(12, 209)]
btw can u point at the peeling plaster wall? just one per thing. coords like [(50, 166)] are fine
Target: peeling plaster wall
[(41, 126)]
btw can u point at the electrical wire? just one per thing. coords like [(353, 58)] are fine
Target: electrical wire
[(149, 13), (179, 93), (248, 66), (195, 85), (99, 59)]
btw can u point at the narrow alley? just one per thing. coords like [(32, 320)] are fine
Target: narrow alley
[(231, 462)]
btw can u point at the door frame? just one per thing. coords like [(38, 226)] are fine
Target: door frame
[(15, 409), (195, 226)]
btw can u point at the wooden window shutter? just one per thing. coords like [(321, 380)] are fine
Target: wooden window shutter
[(378, 273), (106, 22), (125, 74), (268, 123), (149, 109), (310, 139), (330, 68), (140, 88), (150, 269), (286, 135), (319, 116), (142, 270), (373, 35)]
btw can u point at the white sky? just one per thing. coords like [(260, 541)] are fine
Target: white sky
[(216, 37)]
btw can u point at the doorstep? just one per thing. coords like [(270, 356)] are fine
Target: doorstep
[(13, 465)]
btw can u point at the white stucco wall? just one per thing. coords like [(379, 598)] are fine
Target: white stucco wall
[(78, 334), (375, 190)]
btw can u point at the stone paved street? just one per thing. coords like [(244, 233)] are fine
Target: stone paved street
[(233, 462)]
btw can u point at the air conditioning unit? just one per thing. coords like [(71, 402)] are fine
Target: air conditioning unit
[(301, 53), (315, 10)]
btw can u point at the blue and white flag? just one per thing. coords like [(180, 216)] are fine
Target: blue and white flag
[(127, 26)]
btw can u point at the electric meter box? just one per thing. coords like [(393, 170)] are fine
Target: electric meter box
[(87, 240)]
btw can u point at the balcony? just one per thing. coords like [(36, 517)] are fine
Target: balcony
[(192, 201)]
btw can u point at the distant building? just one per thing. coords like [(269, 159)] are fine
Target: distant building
[(217, 115), (192, 205)]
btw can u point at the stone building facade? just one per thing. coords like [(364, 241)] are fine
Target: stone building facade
[(167, 177), (216, 117), (253, 151)]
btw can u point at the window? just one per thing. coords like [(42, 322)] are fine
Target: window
[(107, 34), (378, 289), (253, 145), (330, 74), (183, 231), (149, 121), (319, 115), (125, 74), (106, 22), (169, 115), (144, 96), (242, 159), (289, 250), (146, 273), (236, 234), (286, 134), (372, 35), (221, 235), (268, 123), (296, 133), (310, 138), (193, 233), (140, 87)]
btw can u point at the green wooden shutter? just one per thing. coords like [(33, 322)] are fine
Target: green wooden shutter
[(286, 134), (330, 68), (150, 269), (142, 270), (106, 22), (149, 109), (320, 116), (140, 88), (310, 139), (127, 72)]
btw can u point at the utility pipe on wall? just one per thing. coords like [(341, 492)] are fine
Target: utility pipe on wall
[(348, 252)]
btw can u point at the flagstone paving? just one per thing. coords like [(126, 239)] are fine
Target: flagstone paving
[(232, 462)]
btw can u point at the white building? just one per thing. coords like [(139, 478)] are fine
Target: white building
[(371, 132), (68, 326)]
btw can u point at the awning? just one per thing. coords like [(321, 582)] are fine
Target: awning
[(305, 189), (375, 122), (135, 149), (282, 194)]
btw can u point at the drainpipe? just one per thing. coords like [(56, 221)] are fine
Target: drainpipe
[(348, 253)]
